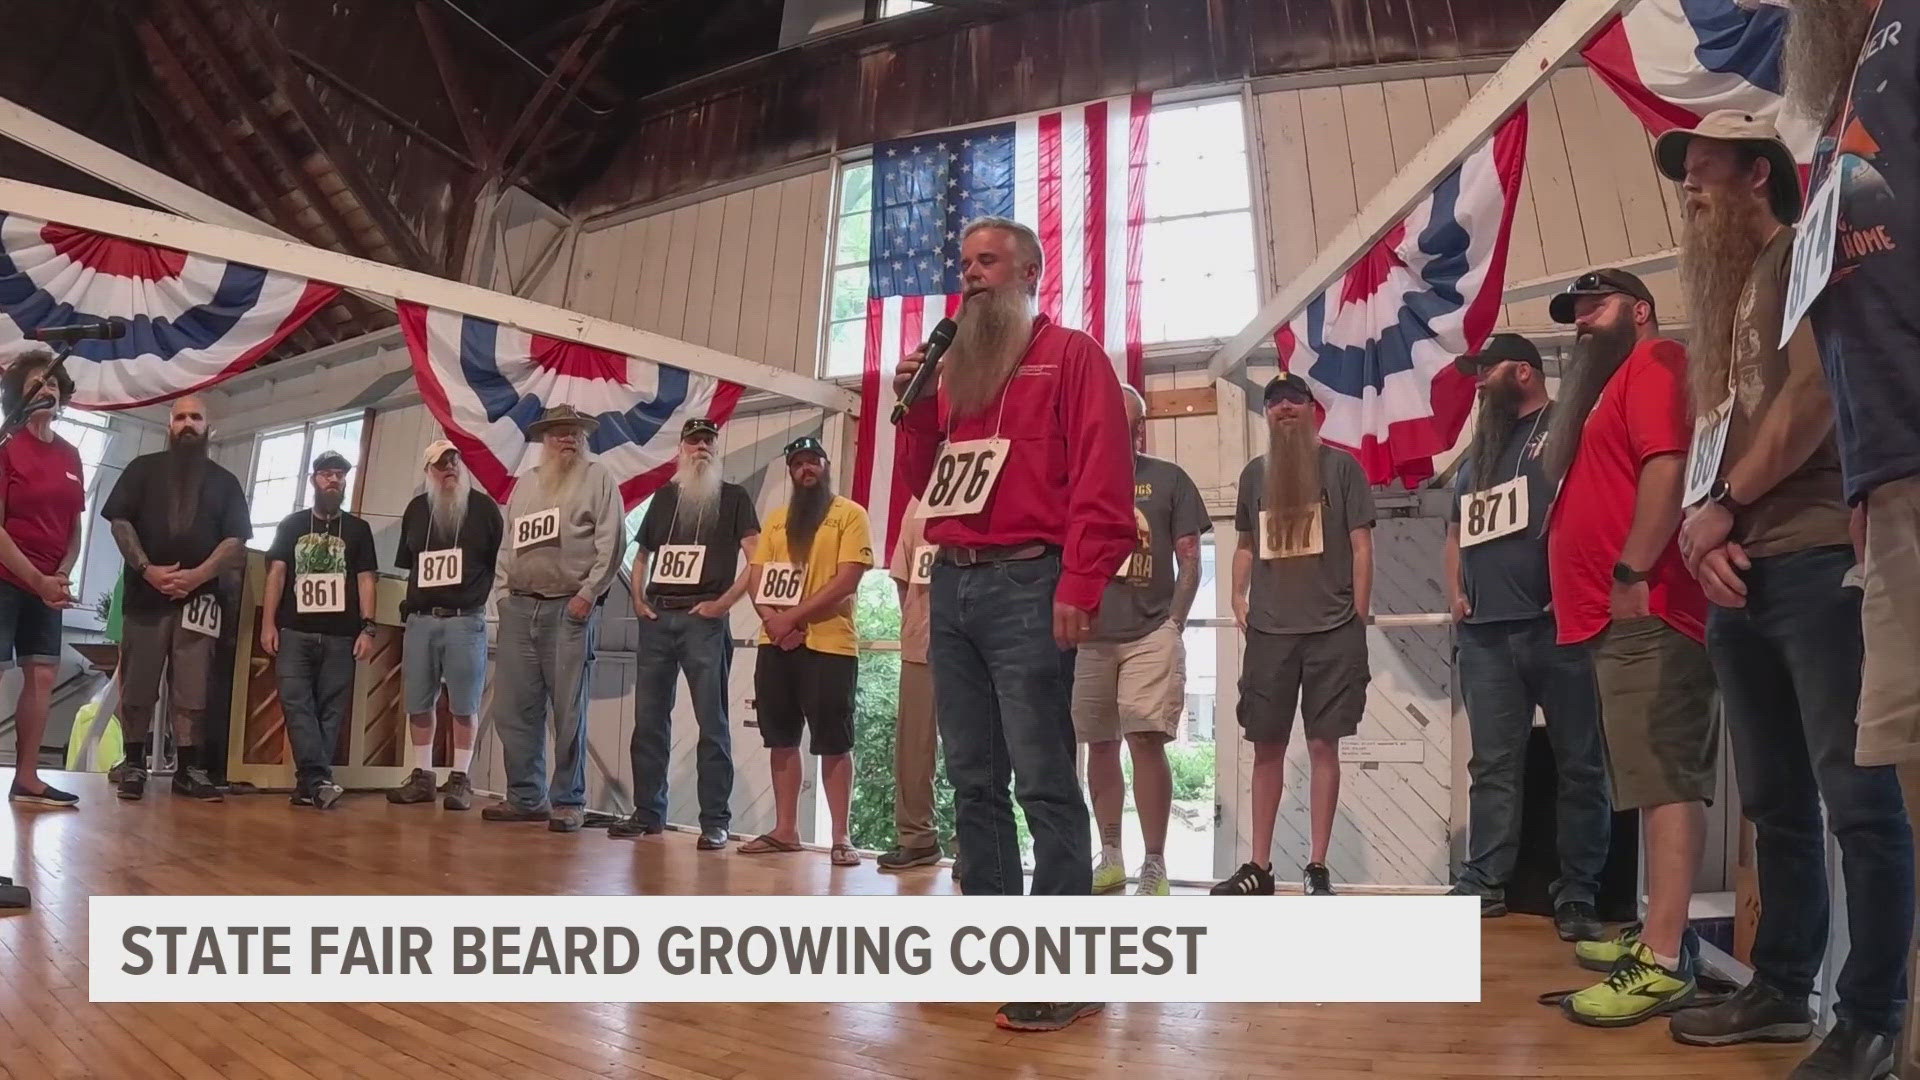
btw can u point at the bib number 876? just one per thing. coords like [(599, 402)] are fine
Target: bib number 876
[(960, 478)]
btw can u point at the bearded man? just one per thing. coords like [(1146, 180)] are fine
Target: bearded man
[(316, 619), (1506, 653), (692, 538), (566, 524), (179, 520), (449, 535), (1303, 593), (1026, 483)]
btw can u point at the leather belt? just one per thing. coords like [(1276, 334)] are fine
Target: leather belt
[(541, 596), (451, 612), (987, 556), (677, 603)]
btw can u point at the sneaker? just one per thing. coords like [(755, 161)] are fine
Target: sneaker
[(302, 796), (1848, 1052), (629, 827), (119, 769), (1315, 881), (1637, 989), (14, 896), (905, 858), (712, 838), (326, 793), (1601, 955), (1491, 907), (1153, 879), (417, 789), (1109, 875), (1044, 1015), (1576, 920), (457, 792), (1249, 880), (237, 787), (506, 811), (566, 819), (132, 782), (1755, 1013), (192, 783), (48, 795)]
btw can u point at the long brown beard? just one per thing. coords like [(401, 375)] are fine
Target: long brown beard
[(1596, 356), (1499, 405), (1718, 246), (1293, 474), (994, 329), (806, 509), (1823, 42)]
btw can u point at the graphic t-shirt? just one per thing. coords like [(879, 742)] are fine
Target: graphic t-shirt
[(719, 530), (843, 537), (43, 485), (1867, 319), (143, 497), (1166, 505), (342, 545), (1505, 578), (1304, 594)]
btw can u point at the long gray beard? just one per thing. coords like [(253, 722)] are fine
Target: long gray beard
[(1596, 356), (697, 482), (806, 509), (1293, 474), (448, 509), (1718, 247), (994, 329), (560, 475), (1499, 406), (1823, 43)]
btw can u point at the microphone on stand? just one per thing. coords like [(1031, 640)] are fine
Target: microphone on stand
[(937, 343), (105, 330)]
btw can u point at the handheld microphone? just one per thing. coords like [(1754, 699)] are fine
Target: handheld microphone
[(105, 330), (937, 343)]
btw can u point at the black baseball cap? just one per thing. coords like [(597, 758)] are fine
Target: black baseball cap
[(1284, 383), (332, 461), (699, 425), (1597, 283), (803, 445), (1498, 349)]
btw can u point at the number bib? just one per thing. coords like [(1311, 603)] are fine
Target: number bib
[(319, 594), (679, 564), (441, 568), (923, 557), (1812, 263), (202, 615), (1305, 537), (1494, 512), (1703, 457), (780, 584), (536, 528), (964, 477)]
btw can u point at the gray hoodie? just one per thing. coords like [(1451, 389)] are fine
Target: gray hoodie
[(581, 560)]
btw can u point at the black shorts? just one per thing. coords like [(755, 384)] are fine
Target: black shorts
[(805, 689), (29, 629), (1325, 673)]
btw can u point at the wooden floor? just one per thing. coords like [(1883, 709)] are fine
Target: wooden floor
[(261, 845)]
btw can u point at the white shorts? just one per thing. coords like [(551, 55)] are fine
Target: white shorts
[(1130, 687)]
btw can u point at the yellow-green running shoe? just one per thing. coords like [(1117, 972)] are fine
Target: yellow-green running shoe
[(1637, 989), (1109, 875), (1602, 955), (1153, 879)]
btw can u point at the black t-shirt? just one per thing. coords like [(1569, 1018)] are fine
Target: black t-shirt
[(311, 547), (720, 531), (142, 498), (1506, 578), (479, 544)]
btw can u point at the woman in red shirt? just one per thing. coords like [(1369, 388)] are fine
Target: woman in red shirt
[(42, 495)]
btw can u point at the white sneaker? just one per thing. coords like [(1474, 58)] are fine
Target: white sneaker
[(1109, 875), (1153, 879)]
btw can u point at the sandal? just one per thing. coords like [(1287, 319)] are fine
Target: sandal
[(767, 844), (844, 855)]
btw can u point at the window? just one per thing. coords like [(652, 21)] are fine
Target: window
[(280, 460), (1199, 261), (890, 8)]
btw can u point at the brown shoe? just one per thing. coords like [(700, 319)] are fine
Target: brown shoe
[(566, 819), (458, 791), (417, 789), (506, 811)]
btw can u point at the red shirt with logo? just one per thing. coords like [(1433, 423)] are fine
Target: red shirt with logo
[(44, 488), (1641, 414), (1068, 475)]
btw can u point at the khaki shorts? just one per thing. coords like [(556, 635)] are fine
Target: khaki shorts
[(1890, 623), (1130, 687), (1656, 710)]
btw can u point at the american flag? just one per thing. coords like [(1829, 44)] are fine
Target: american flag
[(1077, 176)]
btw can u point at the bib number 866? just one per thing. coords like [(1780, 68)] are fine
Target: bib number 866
[(780, 584)]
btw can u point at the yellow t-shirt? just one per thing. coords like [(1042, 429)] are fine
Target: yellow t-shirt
[(843, 537)]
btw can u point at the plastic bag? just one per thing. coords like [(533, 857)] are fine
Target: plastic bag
[(96, 744)]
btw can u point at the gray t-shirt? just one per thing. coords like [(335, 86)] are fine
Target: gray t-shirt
[(1306, 594), (1506, 578), (1166, 505)]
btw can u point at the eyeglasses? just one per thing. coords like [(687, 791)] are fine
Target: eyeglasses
[(1292, 395)]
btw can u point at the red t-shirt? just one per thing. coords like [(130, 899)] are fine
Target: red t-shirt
[(45, 491), (1641, 414)]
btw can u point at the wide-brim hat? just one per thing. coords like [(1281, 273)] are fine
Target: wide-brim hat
[(562, 414), (1735, 126)]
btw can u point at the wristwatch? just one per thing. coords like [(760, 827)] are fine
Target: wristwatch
[(1722, 493), (1627, 575), (367, 625)]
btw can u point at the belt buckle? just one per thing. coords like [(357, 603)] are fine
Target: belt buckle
[(963, 556)]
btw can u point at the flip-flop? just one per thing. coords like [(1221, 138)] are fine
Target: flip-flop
[(844, 855), (766, 844)]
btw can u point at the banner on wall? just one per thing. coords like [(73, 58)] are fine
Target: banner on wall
[(485, 382), (191, 320)]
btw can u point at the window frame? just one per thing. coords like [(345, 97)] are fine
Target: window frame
[(306, 428)]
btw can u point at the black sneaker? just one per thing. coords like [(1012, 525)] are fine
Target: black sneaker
[(14, 896), (1315, 881), (417, 789), (326, 793), (1848, 1052), (1491, 907), (1044, 1015), (907, 858), (1576, 920), (48, 795), (1755, 1013), (193, 783), (631, 826), (1249, 880), (132, 783), (302, 796)]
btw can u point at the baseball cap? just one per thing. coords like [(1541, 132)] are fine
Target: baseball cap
[(1284, 383), (1498, 349), (805, 444), (332, 461), (1734, 126), (438, 449), (699, 425), (1597, 283)]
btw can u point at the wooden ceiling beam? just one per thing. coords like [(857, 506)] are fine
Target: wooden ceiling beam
[(551, 83), (451, 81)]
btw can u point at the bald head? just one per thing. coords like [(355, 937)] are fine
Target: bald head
[(1136, 410), (188, 420)]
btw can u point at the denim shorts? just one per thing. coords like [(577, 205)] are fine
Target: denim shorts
[(29, 629), (450, 649)]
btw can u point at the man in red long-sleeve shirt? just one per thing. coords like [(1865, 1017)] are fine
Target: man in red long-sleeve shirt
[(1026, 481)]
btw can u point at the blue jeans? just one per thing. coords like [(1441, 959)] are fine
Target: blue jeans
[(676, 642), (1506, 670), (1003, 695), (543, 661), (1789, 670), (444, 648), (316, 693)]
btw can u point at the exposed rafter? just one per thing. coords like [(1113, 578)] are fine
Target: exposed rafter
[(537, 104)]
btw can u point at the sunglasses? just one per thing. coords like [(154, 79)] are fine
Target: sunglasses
[(1290, 395)]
